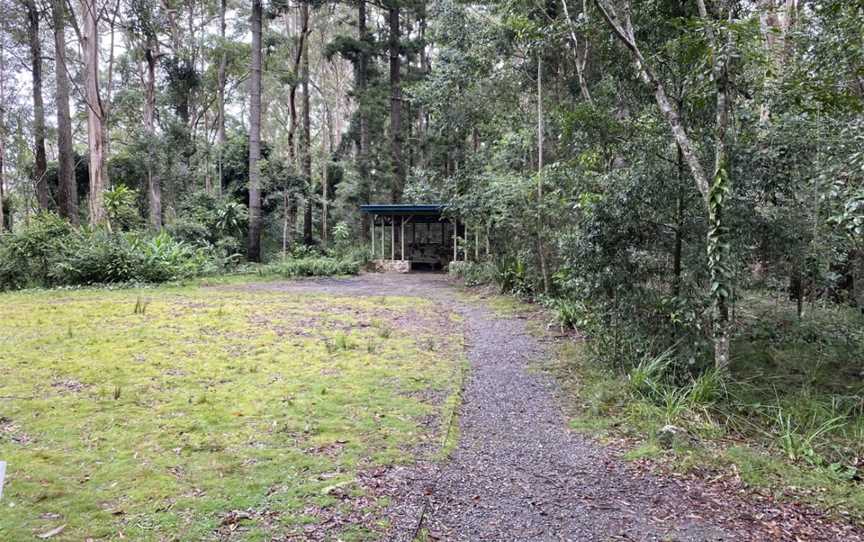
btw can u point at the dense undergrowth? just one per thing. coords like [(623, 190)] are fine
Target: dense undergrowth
[(48, 252), (788, 417)]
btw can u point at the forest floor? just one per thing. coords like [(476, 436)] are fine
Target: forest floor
[(379, 407)]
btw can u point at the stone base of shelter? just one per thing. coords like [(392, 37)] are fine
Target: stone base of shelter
[(391, 266)]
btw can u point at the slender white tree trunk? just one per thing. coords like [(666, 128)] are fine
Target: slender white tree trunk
[(95, 111)]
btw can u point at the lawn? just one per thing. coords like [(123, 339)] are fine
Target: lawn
[(210, 413)]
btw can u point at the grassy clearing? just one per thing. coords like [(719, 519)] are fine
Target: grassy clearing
[(160, 413), (789, 421)]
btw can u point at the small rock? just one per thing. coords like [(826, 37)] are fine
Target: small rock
[(672, 436)]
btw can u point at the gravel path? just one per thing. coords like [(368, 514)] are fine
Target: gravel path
[(518, 473)]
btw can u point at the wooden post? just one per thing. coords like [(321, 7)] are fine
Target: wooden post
[(477, 243), (402, 236), (372, 235), (392, 238), (383, 246)]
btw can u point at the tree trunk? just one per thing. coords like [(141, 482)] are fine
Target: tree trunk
[(154, 184), (95, 112), (220, 126), (328, 146), (713, 191), (395, 103), (718, 256), (40, 182), (286, 212), (253, 245), (679, 229), (2, 137), (581, 53), (67, 187), (541, 248), (306, 148), (624, 31), (422, 132), (2, 140), (362, 77), (292, 93), (856, 258)]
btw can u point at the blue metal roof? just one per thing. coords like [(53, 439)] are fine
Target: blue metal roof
[(403, 209)]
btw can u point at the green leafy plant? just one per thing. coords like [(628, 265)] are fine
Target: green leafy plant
[(798, 443), (28, 255), (310, 267), (121, 207)]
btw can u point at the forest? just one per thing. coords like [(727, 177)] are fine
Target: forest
[(677, 184)]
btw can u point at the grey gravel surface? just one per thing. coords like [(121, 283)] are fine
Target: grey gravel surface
[(519, 474)]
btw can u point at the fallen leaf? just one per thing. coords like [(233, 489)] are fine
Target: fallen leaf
[(52, 532)]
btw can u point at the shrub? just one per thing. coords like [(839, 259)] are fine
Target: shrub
[(122, 208), (49, 252), (210, 222), (473, 273), (512, 277), (27, 255), (569, 314), (310, 267), (102, 257)]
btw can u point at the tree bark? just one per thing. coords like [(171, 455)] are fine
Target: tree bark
[(581, 53), (624, 31), (362, 78), (253, 245), (40, 182), (721, 286), (713, 191), (154, 184), (95, 112), (220, 126), (328, 145), (2, 137), (292, 93), (306, 148), (541, 248), (395, 103), (67, 187), (679, 228)]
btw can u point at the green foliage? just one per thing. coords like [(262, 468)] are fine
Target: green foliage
[(341, 233), (798, 443), (472, 273), (217, 225), (28, 254), (48, 252), (568, 313), (512, 277), (101, 257), (793, 403), (310, 267), (121, 206), (648, 377)]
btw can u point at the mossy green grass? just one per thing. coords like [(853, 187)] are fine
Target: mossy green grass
[(153, 414)]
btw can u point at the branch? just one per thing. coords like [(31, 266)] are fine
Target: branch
[(667, 109)]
